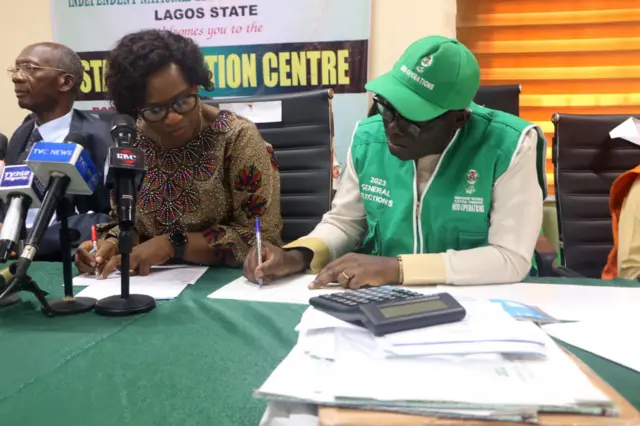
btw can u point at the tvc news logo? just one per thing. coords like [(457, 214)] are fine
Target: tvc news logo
[(53, 152)]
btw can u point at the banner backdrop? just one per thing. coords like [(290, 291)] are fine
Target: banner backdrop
[(264, 47)]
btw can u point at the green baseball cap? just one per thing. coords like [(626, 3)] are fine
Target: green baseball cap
[(434, 75)]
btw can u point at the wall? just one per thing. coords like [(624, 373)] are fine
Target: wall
[(18, 32), (395, 24)]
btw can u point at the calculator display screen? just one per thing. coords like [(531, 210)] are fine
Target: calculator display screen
[(413, 308)]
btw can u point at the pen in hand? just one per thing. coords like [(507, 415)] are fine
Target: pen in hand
[(259, 247), (94, 250)]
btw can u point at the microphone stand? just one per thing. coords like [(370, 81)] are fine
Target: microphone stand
[(26, 283), (13, 298), (125, 303), (69, 304)]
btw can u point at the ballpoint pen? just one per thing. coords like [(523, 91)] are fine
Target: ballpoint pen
[(259, 244), (94, 250)]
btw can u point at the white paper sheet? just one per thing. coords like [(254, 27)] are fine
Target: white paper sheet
[(628, 130), (292, 289), (564, 302), (258, 112), (166, 274), (604, 337), (157, 290)]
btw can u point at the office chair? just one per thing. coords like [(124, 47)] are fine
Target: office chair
[(502, 98), (586, 162), (303, 143)]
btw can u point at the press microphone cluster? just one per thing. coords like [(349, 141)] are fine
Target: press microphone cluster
[(63, 168)]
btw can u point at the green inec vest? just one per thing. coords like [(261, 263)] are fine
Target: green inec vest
[(454, 210)]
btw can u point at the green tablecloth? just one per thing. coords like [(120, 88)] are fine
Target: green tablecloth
[(191, 361)]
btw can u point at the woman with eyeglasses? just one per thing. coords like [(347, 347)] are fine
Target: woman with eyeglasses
[(210, 174)]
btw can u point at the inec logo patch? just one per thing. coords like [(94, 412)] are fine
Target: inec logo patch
[(468, 203), (472, 178), (424, 63)]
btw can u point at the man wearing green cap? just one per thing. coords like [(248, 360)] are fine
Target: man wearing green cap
[(436, 190)]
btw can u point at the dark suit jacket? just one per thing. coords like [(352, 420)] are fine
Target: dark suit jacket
[(97, 143)]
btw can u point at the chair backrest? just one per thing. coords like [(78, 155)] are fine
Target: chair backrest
[(104, 115), (303, 143), (502, 98), (586, 162)]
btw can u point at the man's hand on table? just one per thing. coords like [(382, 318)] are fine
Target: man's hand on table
[(358, 270)]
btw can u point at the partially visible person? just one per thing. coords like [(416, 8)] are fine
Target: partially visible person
[(210, 174), (436, 189), (624, 203), (46, 78), (4, 144)]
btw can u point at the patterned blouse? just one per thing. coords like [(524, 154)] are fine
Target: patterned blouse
[(217, 184)]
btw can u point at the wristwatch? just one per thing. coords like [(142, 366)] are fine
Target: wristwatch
[(178, 240)]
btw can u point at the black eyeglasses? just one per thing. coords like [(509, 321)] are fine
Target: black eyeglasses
[(389, 113), (181, 105)]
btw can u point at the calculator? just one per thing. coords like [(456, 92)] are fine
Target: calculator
[(389, 309)]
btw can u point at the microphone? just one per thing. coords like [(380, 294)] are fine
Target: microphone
[(125, 168), (64, 168), (20, 189), (123, 130)]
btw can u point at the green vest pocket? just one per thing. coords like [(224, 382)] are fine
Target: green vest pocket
[(471, 240)]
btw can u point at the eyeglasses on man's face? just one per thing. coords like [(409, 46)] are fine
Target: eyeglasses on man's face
[(390, 114), (28, 69), (182, 105)]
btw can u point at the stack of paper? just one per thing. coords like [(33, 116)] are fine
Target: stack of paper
[(485, 329), (488, 366), (163, 283)]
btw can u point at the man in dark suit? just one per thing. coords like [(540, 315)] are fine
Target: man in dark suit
[(47, 79)]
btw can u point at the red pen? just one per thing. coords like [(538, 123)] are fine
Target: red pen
[(94, 250)]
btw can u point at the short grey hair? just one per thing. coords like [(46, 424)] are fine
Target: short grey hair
[(69, 61)]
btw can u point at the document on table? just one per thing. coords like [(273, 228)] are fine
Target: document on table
[(485, 329), (566, 302), (163, 283), (165, 274), (157, 290), (293, 289), (602, 337)]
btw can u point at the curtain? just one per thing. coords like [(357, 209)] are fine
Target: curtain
[(570, 56)]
